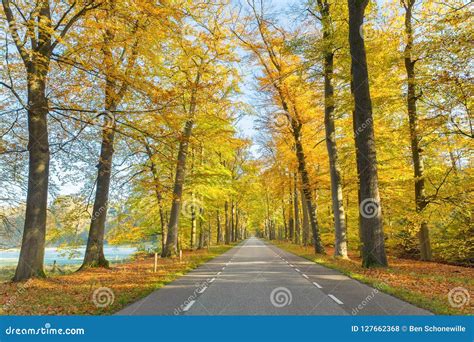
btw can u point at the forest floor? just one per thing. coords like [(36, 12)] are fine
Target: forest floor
[(73, 294), (424, 284)]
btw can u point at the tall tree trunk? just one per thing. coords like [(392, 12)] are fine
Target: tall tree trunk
[(297, 210), (30, 262), (306, 186), (158, 195), (370, 213), (219, 228), (94, 255), (192, 241), (285, 225), (305, 220), (171, 246), (418, 167), (232, 222), (340, 228), (291, 219), (237, 235), (227, 226), (202, 233)]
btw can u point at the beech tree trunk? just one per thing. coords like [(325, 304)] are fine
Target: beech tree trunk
[(94, 256), (192, 241), (340, 229), (219, 228), (171, 246), (227, 226), (297, 211), (370, 213), (418, 167), (305, 220), (306, 187), (291, 219), (30, 262)]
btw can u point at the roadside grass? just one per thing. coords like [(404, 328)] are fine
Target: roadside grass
[(71, 294), (424, 284)]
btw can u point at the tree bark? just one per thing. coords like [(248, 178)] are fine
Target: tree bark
[(291, 219), (227, 230), (171, 246), (340, 229), (417, 157), (305, 220), (297, 210), (370, 213), (94, 255), (219, 228), (192, 241), (159, 197), (30, 263), (305, 183)]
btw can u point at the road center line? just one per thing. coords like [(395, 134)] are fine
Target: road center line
[(317, 285), (218, 273), (335, 299), (188, 306), (212, 280), (297, 270), (304, 275)]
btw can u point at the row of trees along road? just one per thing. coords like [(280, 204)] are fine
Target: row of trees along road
[(358, 104)]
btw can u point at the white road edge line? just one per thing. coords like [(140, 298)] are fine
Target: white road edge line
[(335, 299), (317, 285), (218, 273), (201, 290), (188, 306), (304, 275)]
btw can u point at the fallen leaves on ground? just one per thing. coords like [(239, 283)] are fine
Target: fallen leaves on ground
[(72, 294), (425, 284)]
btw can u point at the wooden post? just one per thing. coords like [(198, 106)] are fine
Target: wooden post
[(156, 263), (180, 255)]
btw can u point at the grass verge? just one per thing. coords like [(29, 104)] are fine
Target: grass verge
[(71, 294), (424, 284)]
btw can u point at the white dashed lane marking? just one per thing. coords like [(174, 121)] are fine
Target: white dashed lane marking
[(335, 299)]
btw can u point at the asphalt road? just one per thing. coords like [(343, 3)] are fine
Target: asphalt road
[(257, 278)]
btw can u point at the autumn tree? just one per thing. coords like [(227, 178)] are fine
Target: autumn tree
[(36, 32)]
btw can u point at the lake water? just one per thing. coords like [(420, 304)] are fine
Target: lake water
[(9, 257)]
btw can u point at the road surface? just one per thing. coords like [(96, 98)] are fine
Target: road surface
[(257, 278)]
